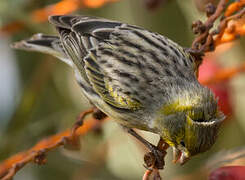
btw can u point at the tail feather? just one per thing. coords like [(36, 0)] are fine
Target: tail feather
[(45, 44)]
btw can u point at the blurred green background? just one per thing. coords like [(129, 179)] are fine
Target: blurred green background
[(39, 97)]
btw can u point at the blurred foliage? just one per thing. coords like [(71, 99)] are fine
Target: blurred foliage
[(48, 98)]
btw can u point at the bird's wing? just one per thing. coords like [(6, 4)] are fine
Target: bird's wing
[(124, 64), (84, 39)]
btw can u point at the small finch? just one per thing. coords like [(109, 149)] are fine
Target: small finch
[(139, 78)]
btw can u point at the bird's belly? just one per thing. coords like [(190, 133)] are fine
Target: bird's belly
[(122, 117), (127, 119)]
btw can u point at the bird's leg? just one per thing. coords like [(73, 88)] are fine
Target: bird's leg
[(150, 146), (155, 158)]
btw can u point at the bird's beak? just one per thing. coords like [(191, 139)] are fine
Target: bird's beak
[(176, 154), (180, 156)]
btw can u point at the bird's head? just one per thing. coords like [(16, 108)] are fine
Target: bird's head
[(190, 124)]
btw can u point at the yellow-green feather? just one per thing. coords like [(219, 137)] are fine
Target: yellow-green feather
[(123, 101), (181, 104), (106, 91)]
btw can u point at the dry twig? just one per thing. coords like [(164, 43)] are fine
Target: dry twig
[(208, 40), (37, 154)]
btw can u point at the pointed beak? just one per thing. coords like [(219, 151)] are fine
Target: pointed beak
[(183, 158), (176, 154), (180, 156)]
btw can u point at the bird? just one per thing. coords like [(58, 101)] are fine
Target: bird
[(139, 78)]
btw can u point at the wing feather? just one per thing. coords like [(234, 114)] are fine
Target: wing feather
[(104, 86), (81, 37)]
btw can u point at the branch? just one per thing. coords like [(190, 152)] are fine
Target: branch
[(37, 153), (203, 29), (229, 33), (208, 40)]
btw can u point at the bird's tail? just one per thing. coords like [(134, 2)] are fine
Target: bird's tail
[(43, 43)]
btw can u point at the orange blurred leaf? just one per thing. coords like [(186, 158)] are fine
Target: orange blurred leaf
[(96, 3), (62, 7), (66, 7), (234, 7), (12, 27), (235, 29), (224, 74)]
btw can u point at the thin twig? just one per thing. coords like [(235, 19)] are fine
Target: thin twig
[(208, 40), (37, 154), (208, 25), (223, 25)]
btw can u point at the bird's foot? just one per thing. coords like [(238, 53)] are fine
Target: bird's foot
[(155, 158)]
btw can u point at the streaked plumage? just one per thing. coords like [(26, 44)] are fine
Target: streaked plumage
[(140, 78)]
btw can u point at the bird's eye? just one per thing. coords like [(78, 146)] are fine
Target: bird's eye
[(182, 143)]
